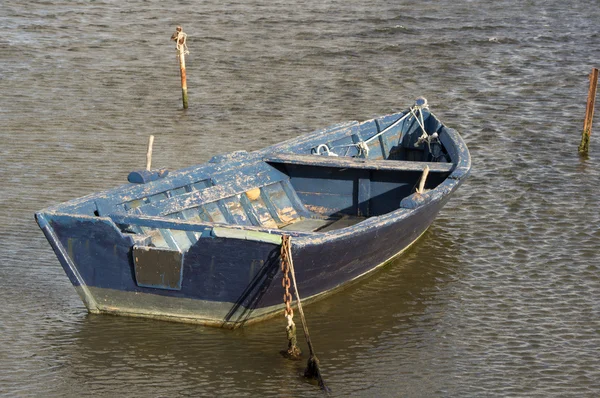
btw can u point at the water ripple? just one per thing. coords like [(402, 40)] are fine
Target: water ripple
[(499, 298)]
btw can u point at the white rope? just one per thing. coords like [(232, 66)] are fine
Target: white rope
[(387, 128), (419, 120), (363, 147), (327, 151), (428, 139), (181, 43), (290, 319), (422, 124)]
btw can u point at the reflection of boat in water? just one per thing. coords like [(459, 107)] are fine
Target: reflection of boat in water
[(388, 315), (202, 244)]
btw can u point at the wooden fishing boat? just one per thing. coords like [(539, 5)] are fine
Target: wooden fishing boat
[(202, 244)]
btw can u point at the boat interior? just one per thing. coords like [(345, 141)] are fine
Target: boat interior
[(306, 186)]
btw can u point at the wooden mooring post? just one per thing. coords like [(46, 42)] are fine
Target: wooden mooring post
[(180, 38), (589, 113)]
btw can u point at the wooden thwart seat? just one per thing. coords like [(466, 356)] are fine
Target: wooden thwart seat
[(323, 224), (358, 163)]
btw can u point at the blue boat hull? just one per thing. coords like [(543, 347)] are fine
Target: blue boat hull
[(229, 273)]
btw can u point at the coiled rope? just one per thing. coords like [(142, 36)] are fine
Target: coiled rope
[(180, 38)]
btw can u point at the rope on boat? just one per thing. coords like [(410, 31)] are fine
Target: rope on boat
[(363, 147), (312, 370), (421, 124), (397, 122), (326, 149), (421, 103)]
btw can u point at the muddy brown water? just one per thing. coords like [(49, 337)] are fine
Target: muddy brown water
[(501, 297)]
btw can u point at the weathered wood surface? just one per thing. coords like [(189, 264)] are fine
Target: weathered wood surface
[(211, 194), (358, 163)]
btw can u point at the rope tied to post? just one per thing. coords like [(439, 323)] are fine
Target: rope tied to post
[(180, 38), (312, 370)]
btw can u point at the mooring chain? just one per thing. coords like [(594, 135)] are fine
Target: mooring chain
[(293, 351), (312, 370), (286, 282)]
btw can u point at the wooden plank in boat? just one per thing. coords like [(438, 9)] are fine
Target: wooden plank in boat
[(358, 163)]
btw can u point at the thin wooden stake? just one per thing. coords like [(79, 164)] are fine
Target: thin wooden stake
[(184, 94), (182, 50), (421, 188), (149, 153), (589, 113)]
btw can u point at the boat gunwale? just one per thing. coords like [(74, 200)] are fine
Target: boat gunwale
[(301, 238), (459, 170)]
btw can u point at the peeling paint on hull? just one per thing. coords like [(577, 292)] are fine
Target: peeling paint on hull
[(207, 313)]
